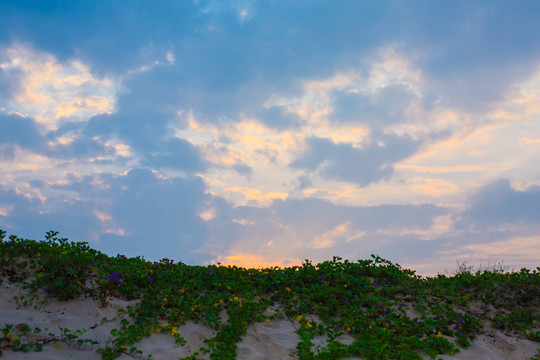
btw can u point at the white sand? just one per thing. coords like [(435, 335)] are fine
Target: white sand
[(267, 340)]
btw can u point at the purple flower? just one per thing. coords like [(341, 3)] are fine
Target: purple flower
[(219, 263), (339, 327), (211, 271), (161, 274), (119, 282), (376, 285), (344, 301), (458, 325), (150, 279), (462, 320)]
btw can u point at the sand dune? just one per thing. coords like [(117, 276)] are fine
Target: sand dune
[(271, 340)]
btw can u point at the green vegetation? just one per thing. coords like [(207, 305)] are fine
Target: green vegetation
[(367, 299)]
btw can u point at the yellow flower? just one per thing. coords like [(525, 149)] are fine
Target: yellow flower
[(165, 325), (57, 345), (345, 285), (79, 283), (308, 325), (174, 331), (439, 334), (348, 329), (299, 317), (165, 299), (288, 289), (267, 320)]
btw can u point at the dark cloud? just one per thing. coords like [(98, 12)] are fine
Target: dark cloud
[(174, 153), (498, 204), (20, 131), (474, 51), (159, 215), (351, 107), (304, 182), (28, 217), (363, 166), (243, 169), (10, 82), (385, 107), (25, 133), (102, 33), (143, 118), (467, 48), (276, 117)]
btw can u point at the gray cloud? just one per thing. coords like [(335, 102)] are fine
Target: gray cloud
[(385, 107), (363, 166), (159, 216), (498, 203), (468, 48), (20, 131), (276, 117)]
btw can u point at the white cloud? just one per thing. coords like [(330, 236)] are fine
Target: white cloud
[(49, 90)]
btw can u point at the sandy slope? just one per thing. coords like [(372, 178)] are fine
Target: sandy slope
[(268, 340)]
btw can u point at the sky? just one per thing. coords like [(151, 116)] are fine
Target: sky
[(263, 133)]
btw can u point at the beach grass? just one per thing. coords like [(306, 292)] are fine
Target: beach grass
[(390, 312)]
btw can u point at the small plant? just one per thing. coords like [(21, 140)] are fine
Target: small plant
[(367, 300)]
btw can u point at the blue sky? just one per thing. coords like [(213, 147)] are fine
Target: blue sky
[(263, 133)]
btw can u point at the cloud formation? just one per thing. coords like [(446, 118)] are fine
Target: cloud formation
[(263, 133)]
